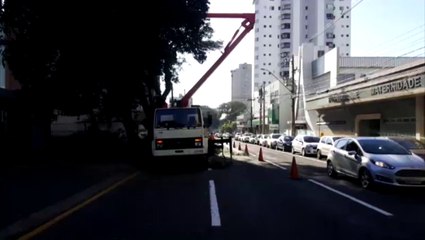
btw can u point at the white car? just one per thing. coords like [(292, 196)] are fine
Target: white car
[(325, 144), (304, 144), (272, 140)]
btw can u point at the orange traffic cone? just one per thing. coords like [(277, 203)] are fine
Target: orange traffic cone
[(260, 155), (294, 170), (239, 148), (246, 150)]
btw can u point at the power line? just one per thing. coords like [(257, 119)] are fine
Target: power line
[(335, 21), (384, 46), (404, 34)]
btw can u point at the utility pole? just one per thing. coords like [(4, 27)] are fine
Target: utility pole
[(260, 100), (251, 115), (264, 107), (293, 92)]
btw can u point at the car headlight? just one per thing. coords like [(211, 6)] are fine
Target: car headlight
[(382, 164)]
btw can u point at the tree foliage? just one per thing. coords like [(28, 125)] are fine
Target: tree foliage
[(75, 56), (231, 110)]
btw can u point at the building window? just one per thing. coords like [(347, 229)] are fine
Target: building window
[(330, 6), (264, 45), (270, 45), (306, 7), (286, 26), (264, 35), (265, 26), (287, 7), (286, 45), (264, 54), (306, 36), (270, 35), (272, 8), (330, 16), (342, 35), (286, 35), (330, 35), (270, 16), (278, 8), (256, 39), (285, 54), (348, 35), (270, 26), (286, 16), (347, 44), (320, 53), (330, 44), (306, 17), (306, 26), (285, 73), (270, 64), (347, 26), (347, 54)]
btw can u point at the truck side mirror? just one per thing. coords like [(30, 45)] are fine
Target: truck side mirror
[(208, 120)]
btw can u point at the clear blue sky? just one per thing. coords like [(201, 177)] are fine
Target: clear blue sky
[(378, 28)]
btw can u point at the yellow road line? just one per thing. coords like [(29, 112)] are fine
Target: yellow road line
[(67, 213)]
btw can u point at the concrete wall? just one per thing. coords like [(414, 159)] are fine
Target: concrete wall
[(397, 117)]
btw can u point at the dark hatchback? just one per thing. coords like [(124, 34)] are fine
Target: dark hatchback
[(411, 144), (284, 143)]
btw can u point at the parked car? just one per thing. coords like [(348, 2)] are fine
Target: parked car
[(284, 143), (272, 140), (376, 160), (257, 139), (252, 138), (245, 137), (411, 144), (305, 144), (325, 144), (263, 140)]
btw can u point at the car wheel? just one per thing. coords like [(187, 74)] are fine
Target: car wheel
[(292, 150), (303, 152), (331, 170), (319, 154), (366, 179)]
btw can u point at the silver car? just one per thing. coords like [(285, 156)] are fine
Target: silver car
[(376, 160)]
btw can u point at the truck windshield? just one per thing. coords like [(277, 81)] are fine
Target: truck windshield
[(178, 118)]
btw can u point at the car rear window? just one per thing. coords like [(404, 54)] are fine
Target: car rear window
[(311, 139), (382, 146)]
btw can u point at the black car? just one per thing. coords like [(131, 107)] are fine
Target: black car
[(411, 144), (284, 143)]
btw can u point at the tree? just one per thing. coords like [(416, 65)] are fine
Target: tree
[(228, 127), (75, 56), (231, 110)]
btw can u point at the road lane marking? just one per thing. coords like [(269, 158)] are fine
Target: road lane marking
[(215, 213), (353, 198), (67, 213), (275, 164)]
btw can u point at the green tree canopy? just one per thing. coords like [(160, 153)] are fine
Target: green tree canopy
[(73, 56), (231, 110)]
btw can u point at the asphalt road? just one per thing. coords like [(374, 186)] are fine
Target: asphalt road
[(249, 199)]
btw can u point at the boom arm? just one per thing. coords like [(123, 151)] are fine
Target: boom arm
[(247, 23)]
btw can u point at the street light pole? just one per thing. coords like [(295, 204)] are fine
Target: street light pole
[(251, 99), (292, 90)]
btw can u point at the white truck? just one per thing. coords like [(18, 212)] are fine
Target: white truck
[(180, 131)]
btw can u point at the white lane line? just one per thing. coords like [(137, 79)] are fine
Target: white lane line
[(215, 214), (353, 199), (275, 164)]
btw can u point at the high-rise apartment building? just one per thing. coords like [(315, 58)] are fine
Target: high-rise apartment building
[(242, 83), (281, 26)]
